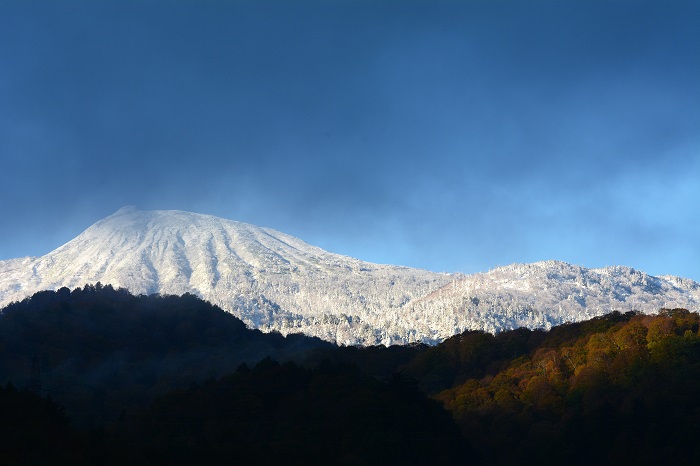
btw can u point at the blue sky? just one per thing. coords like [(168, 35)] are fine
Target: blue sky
[(452, 136)]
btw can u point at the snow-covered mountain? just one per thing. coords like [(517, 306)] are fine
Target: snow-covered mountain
[(274, 281), (549, 293)]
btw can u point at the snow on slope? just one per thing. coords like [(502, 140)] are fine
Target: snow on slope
[(544, 294), (274, 281), (270, 280)]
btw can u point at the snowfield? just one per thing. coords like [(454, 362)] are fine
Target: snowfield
[(276, 282)]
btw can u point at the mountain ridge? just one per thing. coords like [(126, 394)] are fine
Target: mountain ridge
[(276, 282)]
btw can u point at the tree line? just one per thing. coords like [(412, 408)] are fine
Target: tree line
[(175, 380)]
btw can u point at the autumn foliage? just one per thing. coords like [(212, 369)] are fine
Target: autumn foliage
[(159, 380), (620, 389)]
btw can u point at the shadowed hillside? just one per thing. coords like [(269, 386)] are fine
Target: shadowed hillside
[(161, 381), (620, 389), (100, 351)]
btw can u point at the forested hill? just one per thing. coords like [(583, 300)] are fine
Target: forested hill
[(162, 381), (615, 389), (618, 389), (97, 350)]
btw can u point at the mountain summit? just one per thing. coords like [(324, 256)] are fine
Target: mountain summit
[(270, 280), (274, 281)]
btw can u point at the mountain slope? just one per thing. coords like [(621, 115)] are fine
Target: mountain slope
[(268, 279), (544, 294), (273, 281), (98, 350)]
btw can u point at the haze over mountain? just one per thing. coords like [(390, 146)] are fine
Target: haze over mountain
[(273, 281)]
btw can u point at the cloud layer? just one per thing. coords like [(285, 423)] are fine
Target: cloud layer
[(443, 135)]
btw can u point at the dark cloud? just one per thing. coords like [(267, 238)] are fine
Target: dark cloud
[(446, 135)]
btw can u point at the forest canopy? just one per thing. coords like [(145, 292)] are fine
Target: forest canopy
[(164, 379)]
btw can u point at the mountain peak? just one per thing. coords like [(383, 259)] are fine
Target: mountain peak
[(269, 279), (276, 282), (127, 209)]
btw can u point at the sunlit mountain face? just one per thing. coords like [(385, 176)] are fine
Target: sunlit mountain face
[(276, 282)]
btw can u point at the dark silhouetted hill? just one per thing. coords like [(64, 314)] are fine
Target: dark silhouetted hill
[(286, 414), (175, 380), (102, 351)]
